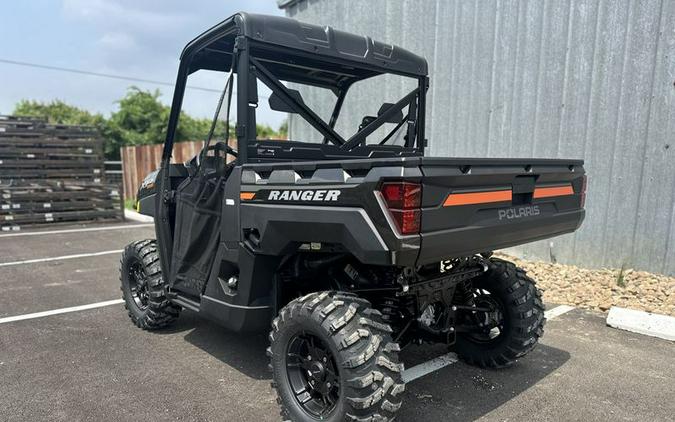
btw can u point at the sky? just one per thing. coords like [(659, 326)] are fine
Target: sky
[(134, 38)]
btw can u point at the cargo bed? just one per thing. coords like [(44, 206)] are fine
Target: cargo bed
[(477, 205), (467, 206)]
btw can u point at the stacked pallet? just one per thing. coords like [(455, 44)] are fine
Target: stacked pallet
[(52, 173)]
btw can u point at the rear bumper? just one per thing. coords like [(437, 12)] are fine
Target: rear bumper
[(443, 244)]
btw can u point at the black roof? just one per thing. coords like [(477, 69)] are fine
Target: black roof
[(212, 49)]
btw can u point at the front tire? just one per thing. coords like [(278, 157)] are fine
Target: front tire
[(143, 287), (517, 302), (333, 359)]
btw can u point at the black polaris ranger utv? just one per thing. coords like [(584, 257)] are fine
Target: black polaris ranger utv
[(347, 246)]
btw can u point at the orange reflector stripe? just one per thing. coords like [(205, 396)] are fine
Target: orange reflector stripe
[(472, 198), (553, 191), (245, 196)]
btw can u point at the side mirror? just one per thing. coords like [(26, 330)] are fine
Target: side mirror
[(277, 104), (366, 121), (396, 118)]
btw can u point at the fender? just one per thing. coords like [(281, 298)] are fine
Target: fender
[(282, 227)]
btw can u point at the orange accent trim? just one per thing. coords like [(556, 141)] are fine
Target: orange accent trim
[(471, 198), (553, 191), (245, 196)]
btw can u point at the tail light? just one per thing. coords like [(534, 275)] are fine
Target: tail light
[(584, 184), (403, 201)]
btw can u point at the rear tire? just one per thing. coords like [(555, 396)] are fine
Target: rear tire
[(143, 287), (356, 351), (523, 317)]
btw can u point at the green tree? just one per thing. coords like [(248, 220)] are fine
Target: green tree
[(141, 118), (194, 129), (283, 129), (57, 111)]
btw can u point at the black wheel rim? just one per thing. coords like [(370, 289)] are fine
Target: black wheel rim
[(313, 374), (490, 325), (138, 284)]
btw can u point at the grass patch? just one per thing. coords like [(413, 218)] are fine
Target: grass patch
[(620, 278)]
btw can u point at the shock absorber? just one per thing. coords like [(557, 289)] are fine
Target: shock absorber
[(396, 313), (391, 314), (463, 294)]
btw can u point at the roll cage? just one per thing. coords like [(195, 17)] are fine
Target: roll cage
[(275, 49)]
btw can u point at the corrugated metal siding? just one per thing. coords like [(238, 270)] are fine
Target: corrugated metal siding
[(575, 79)]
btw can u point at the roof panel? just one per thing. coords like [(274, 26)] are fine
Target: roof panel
[(318, 40)]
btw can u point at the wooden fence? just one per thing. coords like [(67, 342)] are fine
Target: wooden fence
[(138, 161)]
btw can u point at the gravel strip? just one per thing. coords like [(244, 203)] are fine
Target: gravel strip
[(601, 289)]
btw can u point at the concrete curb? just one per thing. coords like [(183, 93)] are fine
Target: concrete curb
[(134, 216), (655, 325)]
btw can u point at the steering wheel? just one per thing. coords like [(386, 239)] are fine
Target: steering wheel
[(194, 163), (223, 147)]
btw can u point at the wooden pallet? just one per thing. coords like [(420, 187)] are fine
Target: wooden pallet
[(32, 126), (42, 152), (56, 163), (52, 206), (40, 141), (57, 190), (22, 221), (59, 174), (52, 173)]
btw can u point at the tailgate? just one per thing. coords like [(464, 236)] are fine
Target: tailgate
[(472, 205)]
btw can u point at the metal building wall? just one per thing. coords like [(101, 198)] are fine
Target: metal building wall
[(589, 79)]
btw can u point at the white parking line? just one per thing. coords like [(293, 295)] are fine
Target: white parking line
[(440, 362), (557, 311), (58, 258), (428, 367), (87, 229), (408, 375), (60, 311)]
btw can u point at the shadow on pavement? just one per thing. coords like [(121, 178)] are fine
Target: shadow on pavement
[(244, 352), (458, 392), (461, 392)]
